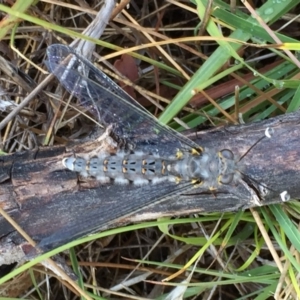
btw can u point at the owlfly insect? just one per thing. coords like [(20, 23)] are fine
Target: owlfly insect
[(152, 153)]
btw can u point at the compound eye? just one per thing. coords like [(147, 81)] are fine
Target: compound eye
[(226, 153), (226, 179)]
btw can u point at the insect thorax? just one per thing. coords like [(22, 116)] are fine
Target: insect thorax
[(208, 168)]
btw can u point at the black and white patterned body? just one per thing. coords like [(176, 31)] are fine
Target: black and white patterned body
[(202, 167)]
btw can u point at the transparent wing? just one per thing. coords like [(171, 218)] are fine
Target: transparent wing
[(110, 104)]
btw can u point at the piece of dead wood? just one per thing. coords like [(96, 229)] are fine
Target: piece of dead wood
[(46, 199)]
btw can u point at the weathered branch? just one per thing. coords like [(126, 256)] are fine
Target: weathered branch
[(45, 199)]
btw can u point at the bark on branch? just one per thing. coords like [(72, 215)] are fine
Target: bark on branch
[(44, 198)]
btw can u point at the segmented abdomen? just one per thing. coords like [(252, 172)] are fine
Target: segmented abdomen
[(139, 168)]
